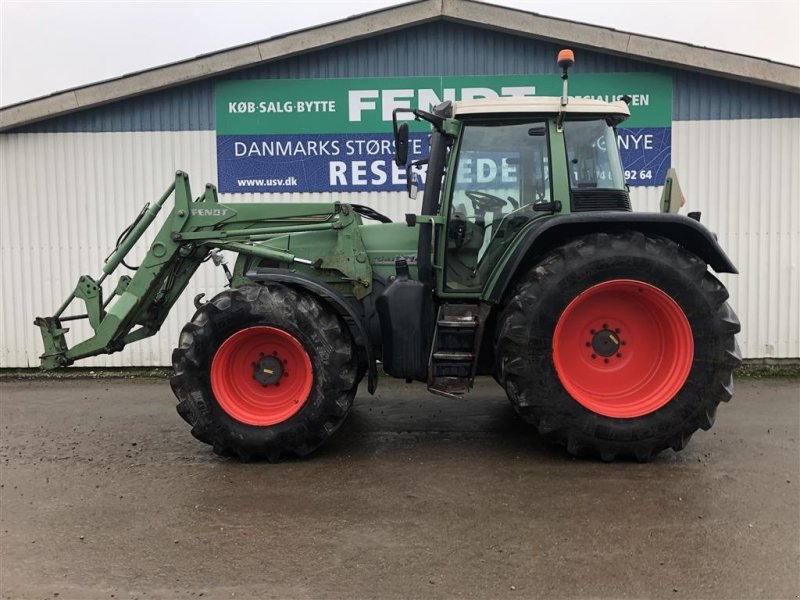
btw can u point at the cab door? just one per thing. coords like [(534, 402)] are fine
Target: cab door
[(500, 171)]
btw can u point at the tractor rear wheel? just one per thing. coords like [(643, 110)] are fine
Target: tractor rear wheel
[(264, 372), (618, 344)]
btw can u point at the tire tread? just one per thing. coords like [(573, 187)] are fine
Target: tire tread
[(538, 396), (277, 305)]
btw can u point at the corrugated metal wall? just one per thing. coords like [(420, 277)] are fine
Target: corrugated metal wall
[(744, 176), (65, 197)]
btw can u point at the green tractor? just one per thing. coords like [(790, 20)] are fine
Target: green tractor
[(605, 327)]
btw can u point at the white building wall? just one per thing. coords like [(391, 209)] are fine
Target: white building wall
[(65, 197)]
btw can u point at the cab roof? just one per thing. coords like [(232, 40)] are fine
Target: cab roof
[(542, 104)]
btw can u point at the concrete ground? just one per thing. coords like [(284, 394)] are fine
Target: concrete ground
[(104, 494)]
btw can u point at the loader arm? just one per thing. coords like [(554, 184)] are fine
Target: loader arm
[(138, 305)]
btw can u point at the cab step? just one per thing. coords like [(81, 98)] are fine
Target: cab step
[(454, 352)]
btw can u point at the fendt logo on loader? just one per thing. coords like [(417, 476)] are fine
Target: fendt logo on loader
[(209, 212)]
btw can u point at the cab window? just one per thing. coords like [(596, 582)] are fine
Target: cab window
[(502, 170), (592, 155)]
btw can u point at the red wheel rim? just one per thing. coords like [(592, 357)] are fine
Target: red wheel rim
[(623, 348), (261, 375)]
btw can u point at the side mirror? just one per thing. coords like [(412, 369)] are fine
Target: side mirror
[(401, 145)]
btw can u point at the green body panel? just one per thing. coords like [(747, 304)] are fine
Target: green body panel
[(383, 243), (388, 242)]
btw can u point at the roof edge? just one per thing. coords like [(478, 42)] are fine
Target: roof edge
[(720, 63), (481, 14)]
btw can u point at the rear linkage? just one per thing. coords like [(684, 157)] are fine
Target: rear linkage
[(192, 233)]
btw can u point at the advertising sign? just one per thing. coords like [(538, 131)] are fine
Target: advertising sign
[(326, 135)]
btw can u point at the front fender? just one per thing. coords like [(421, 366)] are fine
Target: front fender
[(554, 231), (335, 301)]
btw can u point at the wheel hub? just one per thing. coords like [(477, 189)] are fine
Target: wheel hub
[(261, 375), (606, 343), (268, 370)]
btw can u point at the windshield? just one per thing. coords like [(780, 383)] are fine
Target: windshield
[(502, 170), (593, 155)]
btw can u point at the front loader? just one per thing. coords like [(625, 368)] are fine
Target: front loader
[(606, 328)]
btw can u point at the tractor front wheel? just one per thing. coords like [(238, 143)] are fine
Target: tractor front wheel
[(264, 372), (618, 344)]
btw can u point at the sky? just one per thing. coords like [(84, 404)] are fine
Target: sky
[(48, 46)]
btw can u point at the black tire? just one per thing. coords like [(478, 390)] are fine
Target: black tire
[(524, 344), (323, 336)]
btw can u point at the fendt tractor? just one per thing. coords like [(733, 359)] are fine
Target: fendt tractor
[(605, 327)]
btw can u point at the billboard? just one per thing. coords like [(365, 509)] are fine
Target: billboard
[(327, 135)]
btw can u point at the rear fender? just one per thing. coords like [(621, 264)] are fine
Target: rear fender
[(682, 230), (335, 301)]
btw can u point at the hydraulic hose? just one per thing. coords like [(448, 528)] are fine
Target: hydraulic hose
[(136, 230)]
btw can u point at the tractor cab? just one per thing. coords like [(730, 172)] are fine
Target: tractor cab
[(513, 165), (499, 165)]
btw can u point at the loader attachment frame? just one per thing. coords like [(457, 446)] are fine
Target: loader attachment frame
[(138, 305)]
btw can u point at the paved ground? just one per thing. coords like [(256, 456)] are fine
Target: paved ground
[(106, 495)]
